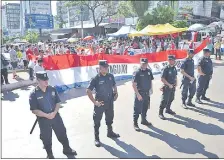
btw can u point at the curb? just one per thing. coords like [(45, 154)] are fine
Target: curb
[(17, 85)]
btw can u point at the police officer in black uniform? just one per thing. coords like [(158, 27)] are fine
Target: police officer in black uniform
[(188, 81), (169, 79), (106, 93), (205, 71), (142, 84), (45, 103)]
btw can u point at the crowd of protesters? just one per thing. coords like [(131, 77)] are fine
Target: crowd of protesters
[(118, 46)]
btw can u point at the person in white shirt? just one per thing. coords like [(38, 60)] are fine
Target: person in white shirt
[(39, 66)]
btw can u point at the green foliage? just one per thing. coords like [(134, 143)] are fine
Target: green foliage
[(159, 15), (140, 7), (162, 15), (31, 37), (59, 18), (180, 24), (126, 9)]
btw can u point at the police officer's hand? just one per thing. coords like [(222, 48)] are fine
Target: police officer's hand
[(170, 86), (202, 74), (98, 104), (192, 79), (139, 97), (51, 115), (115, 96)]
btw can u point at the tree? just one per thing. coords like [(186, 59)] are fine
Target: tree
[(31, 37), (162, 15), (126, 9), (140, 7), (59, 17), (180, 24), (99, 9), (159, 15)]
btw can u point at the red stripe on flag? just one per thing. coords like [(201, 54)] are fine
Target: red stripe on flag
[(72, 60)]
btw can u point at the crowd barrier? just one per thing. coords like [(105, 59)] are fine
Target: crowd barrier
[(74, 71)]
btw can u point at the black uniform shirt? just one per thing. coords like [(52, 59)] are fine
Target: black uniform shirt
[(143, 79), (44, 101), (188, 67), (103, 86), (170, 74), (206, 65)]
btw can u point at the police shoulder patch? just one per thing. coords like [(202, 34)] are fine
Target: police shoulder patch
[(53, 93)]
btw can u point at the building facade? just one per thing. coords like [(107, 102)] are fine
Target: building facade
[(12, 16)]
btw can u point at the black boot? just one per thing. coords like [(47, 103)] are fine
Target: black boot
[(169, 111), (198, 101), (205, 98), (111, 134), (145, 122), (69, 151), (189, 103), (184, 104), (50, 154), (161, 116), (136, 127), (97, 139)]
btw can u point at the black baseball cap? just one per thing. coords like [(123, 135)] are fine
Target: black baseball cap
[(103, 63), (143, 60), (171, 57), (42, 75)]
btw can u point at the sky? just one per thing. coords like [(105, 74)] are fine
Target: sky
[(53, 5)]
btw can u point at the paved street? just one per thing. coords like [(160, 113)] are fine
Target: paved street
[(194, 133)]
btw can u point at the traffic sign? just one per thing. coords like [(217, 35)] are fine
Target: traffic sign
[(39, 21)]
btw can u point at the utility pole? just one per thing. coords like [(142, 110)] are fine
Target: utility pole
[(81, 17)]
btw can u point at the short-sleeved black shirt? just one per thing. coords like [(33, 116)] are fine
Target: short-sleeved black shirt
[(206, 65), (143, 78), (44, 101), (188, 66), (170, 74), (103, 86)]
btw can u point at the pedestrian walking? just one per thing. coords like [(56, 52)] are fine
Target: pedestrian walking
[(45, 103), (205, 71), (106, 93), (188, 81), (169, 79), (142, 85)]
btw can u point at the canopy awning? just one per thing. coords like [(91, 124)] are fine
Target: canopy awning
[(159, 29), (123, 31)]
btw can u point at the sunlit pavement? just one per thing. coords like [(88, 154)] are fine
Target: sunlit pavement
[(194, 133)]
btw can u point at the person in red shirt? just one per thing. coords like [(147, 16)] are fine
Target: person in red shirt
[(29, 53)]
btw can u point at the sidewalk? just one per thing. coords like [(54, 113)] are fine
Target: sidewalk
[(21, 81)]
